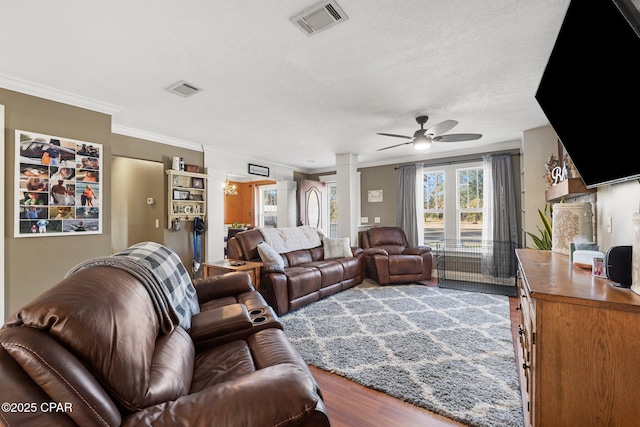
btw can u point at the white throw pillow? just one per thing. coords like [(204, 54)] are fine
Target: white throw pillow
[(268, 255), (336, 247)]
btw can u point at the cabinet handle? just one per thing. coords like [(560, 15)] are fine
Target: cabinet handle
[(525, 366), (520, 330), (518, 307)]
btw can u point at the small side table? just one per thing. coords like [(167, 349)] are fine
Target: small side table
[(228, 265)]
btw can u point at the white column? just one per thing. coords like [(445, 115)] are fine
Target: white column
[(287, 195), (348, 192), (215, 215)]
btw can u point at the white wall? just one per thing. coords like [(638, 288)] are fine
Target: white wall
[(537, 146), (618, 201)]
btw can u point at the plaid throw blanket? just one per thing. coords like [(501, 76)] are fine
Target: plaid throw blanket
[(164, 276)]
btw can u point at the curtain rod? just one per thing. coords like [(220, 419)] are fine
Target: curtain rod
[(453, 162)]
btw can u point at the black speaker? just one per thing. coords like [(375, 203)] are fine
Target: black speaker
[(619, 265)]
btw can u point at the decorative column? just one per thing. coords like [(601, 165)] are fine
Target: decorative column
[(348, 192)]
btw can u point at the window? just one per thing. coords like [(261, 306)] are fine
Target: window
[(453, 211), (469, 215), (333, 209), (268, 203), (433, 190)]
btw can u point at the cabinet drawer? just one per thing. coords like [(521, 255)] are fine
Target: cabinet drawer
[(526, 330)]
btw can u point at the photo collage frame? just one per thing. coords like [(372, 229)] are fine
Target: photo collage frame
[(58, 186)]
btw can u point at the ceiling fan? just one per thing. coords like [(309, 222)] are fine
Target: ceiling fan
[(422, 138)]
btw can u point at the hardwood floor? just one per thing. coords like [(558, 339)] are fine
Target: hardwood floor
[(352, 405)]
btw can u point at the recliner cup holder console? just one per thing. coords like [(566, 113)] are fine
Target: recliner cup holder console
[(256, 311), (259, 319)]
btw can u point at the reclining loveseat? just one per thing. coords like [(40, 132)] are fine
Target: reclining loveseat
[(129, 340)]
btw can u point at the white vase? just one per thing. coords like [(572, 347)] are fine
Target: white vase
[(635, 255), (572, 223)]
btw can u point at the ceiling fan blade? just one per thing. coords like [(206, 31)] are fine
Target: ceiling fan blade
[(457, 137), (442, 127), (393, 146), (395, 136)]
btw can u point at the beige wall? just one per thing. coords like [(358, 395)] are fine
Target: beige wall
[(136, 148), (34, 265), (383, 178), (133, 219)]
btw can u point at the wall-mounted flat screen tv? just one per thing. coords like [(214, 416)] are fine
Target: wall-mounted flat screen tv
[(590, 89)]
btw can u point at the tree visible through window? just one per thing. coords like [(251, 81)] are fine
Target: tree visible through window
[(333, 209), (433, 190), (453, 211), (470, 185)]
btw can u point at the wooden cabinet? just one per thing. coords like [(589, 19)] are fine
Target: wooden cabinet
[(579, 345), (187, 195)]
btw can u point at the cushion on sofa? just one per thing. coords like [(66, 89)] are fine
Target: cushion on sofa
[(336, 247), (269, 255)]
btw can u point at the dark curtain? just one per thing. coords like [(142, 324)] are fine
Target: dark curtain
[(409, 201), (502, 216)]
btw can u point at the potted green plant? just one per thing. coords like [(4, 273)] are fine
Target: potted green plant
[(543, 240)]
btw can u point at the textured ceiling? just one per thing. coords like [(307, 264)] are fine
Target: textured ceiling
[(274, 93)]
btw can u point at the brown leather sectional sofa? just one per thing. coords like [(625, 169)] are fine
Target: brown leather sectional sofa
[(91, 352), (306, 275)]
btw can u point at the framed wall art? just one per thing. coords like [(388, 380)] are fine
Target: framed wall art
[(375, 196), (258, 170), (58, 186)]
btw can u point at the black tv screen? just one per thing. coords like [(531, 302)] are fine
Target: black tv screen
[(590, 89)]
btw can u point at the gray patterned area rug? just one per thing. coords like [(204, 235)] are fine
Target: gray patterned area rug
[(450, 352)]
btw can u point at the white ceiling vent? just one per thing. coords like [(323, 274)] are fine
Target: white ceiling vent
[(184, 89), (319, 17)]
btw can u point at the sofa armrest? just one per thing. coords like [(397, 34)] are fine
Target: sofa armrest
[(418, 250), (219, 321), (276, 395), (375, 251), (271, 267), (356, 251), (225, 285)]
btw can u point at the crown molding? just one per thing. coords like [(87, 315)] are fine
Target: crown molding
[(154, 137), (34, 89)]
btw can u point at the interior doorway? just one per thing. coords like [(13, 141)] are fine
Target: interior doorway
[(137, 213), (244, 208)]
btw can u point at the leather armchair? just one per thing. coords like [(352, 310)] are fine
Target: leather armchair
[(389, 259)]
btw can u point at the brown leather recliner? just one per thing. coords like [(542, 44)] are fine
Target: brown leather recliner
[(389, 259), (90, 351)]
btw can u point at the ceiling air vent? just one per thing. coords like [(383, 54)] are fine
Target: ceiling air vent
[(184, 89), (319, 18)]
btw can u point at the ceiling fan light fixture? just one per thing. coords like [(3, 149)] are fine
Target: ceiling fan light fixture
[(421, 142)]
